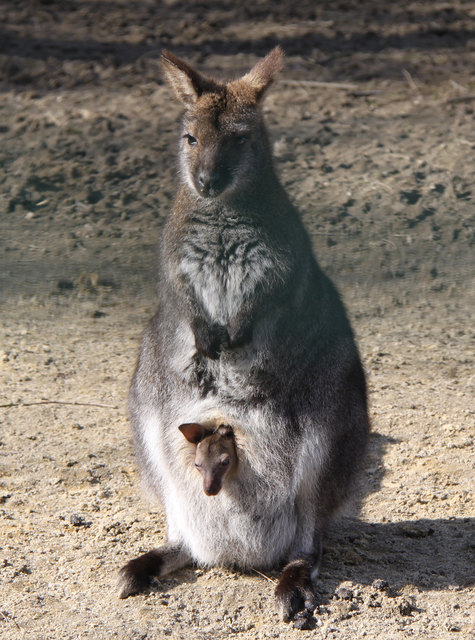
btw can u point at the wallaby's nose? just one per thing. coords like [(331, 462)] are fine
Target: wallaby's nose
[(208, 181), (203, 178)]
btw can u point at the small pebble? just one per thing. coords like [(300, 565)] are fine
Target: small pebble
[(344, 594), (352, 557), (304, 620), (405, 607), (78, 521), (380, 585)]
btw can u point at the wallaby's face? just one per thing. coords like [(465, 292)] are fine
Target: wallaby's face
[(221, 147), (224, 143), (215, 456)]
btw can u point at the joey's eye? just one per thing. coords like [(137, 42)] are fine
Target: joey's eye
[(226, 462), (191, 139), (198, 466)]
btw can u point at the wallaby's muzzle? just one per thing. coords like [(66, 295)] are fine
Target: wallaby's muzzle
[(210, 183)]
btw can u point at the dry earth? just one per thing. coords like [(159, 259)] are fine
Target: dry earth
[(382, 168)]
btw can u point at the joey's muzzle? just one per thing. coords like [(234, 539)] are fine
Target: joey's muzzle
[(212, 484)]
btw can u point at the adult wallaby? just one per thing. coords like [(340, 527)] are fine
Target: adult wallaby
[(214, 454), (247, 327)]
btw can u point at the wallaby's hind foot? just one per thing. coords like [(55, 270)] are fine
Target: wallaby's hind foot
[(137, 575), (295, 592)]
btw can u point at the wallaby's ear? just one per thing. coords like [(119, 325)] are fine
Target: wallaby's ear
[(187, 83), (262, 74), (225, 431), (193, 432)]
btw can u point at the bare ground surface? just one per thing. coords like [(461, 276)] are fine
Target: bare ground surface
[(382, 169)]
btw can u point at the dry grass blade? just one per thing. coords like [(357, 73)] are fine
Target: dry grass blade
[(266, 577)]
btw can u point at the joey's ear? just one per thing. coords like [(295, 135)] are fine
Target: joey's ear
[(187, 83), (193, 432), (262, 74), (225, 431)]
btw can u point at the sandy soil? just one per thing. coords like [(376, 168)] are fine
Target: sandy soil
[(381, 166)]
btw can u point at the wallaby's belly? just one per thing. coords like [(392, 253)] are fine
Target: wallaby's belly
[(252, 521), (220, 531)]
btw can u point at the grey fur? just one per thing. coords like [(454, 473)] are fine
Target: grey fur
[(248, 331)]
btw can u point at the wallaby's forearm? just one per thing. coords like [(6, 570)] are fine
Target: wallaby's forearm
[(211, 337)]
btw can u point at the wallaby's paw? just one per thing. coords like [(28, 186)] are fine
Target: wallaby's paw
[(295, 596), (136, 576), (239, 336), (209, 339)]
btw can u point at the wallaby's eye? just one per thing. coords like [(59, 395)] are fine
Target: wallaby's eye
[(198, 466), (226, 462), (191, 139), (241, 140)]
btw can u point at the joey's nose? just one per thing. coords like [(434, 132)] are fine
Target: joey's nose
[(212, 489)]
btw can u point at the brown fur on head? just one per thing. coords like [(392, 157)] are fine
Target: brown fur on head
[(215, 455), (224, 140)]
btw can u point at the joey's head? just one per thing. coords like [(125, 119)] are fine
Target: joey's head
[(224, 145), (215, 455)]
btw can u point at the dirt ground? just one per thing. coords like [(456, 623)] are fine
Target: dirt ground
[(372, 123)]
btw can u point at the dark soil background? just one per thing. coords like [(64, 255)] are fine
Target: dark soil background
[(373, 128)]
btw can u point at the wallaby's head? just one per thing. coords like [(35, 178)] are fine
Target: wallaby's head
[(215, 456), (224, 145)]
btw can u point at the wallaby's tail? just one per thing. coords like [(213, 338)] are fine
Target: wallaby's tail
[(137, 575)]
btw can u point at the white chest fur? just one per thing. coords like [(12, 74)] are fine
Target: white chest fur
[(225, 274)]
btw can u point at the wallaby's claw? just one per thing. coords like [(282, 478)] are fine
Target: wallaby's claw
[(296, 605), (137, 575), (130, 583), (295, 595)]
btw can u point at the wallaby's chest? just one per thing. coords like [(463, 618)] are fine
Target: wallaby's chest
[(223, 268)]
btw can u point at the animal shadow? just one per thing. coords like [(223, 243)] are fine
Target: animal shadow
[(430, 554)]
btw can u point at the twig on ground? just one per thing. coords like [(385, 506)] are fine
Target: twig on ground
[(11, 619), (345, 86), (66, 402), (460, 99), (410, 81), (366, 92), (413, 86), (315, 83), (456, 85), (266, 577)]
